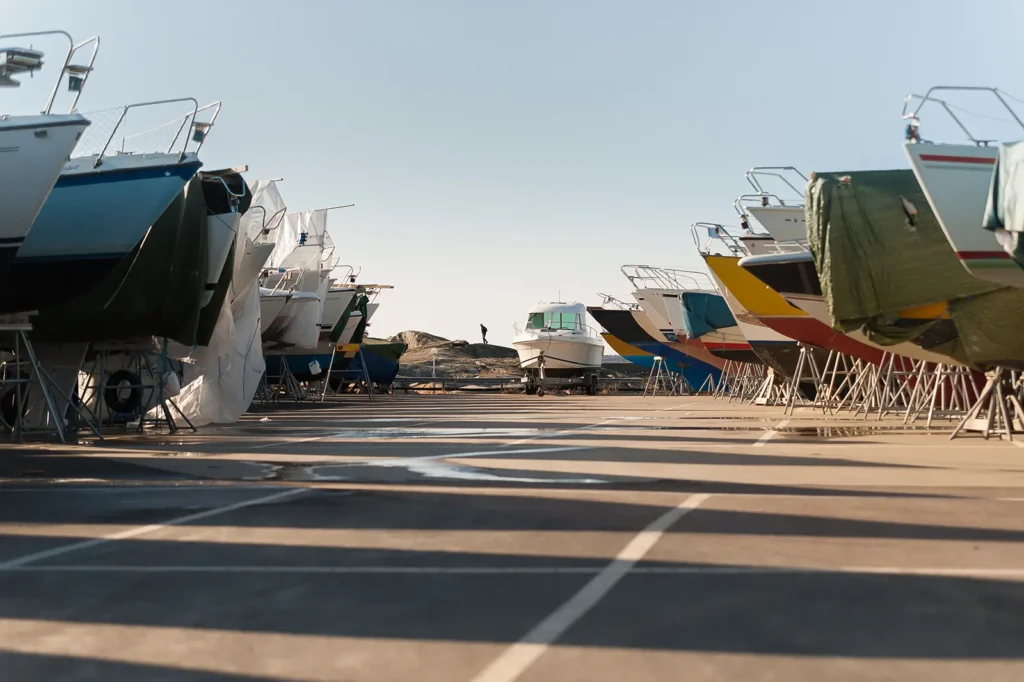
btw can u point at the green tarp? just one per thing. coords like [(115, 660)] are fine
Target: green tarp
[(878, 250)]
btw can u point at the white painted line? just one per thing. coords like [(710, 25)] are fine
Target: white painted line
[(142, 530), (770, 434), (1018, 443), (516, 659), (524, 570)]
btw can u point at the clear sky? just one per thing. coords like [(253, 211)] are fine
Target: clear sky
[(499, 153)]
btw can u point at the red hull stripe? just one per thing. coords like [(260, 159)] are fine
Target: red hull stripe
[(957, 159), (979, 255)]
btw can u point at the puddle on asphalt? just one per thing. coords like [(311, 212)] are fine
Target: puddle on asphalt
[(426, 468), (852, 431)]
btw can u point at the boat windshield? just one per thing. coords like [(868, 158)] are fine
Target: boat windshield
[(570, 321)]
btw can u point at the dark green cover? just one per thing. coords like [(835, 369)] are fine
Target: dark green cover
[(360, 331), (159, 296), (879, 249), (339, 327)]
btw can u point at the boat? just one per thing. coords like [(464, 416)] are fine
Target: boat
[(768, 305), (100, 211), (338, 344), (34, 147), (956, 178), (631, 324), (176, 281), (557, 347), (681, 301)]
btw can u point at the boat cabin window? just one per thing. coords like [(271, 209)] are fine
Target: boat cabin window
[(570, 321)]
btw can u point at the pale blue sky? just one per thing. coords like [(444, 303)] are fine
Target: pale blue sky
[(499, 153)]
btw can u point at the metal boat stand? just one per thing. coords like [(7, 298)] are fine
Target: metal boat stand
[(805, 364), (707, 386), (837, 378), (283, 385), (724, 379), (944, 391), (774, 390), (896, 381), (747, 382), (661, 377), (355, 349), (124, 393), (998, 409), (23, 371)]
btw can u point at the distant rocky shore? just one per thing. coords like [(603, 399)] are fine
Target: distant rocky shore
[(461, 359)]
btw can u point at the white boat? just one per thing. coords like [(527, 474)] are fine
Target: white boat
[(33, 149), (662, 292), (556, 343), (956, 178)]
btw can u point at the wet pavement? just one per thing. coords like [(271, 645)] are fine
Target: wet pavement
[(498, 538)]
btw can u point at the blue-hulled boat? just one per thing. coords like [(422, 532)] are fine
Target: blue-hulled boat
[(100, 210)]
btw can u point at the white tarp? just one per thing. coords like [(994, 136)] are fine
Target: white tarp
[(265, 214), (220, 388)]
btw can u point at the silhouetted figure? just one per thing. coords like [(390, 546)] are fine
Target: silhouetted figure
[(483, 332)]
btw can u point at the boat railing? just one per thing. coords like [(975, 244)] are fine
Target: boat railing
[(912, 114), (267, 224), (613, 303), (234, 198), (651, 277), (346, 280), (284, 279), (785, 174), (77, 73), (166, 138), (707, 234)]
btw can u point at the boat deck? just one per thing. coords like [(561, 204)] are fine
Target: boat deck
[(494, 538)]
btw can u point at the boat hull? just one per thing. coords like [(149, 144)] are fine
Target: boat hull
[(220, 235), (559, 352), (775, 312), (33, 151), (625, 325), (956, 179), (91, 221)]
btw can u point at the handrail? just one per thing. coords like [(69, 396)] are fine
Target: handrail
[(763, 201), (774, 172), (665, 278), (233, 198), (195, 124), (914, 119), (124, 113), (719, 232), (349, 277), (618, 303), (67, 58)]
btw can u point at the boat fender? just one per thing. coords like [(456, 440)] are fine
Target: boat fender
[(112, 395), (314, 368)]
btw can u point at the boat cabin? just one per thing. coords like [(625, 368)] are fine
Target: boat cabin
[(557, 317)]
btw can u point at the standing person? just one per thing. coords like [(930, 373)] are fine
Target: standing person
[(483, 333)]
